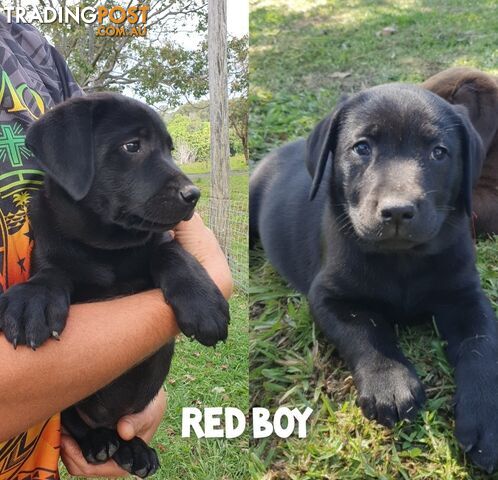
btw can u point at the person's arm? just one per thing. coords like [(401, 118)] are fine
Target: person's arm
[(100, 342), (201, 242)]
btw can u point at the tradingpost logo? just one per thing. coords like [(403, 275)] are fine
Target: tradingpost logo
[(116, 21)]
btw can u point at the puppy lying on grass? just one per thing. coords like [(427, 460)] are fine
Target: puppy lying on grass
[(370, 217)]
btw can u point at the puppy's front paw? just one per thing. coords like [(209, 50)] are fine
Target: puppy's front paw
[(204, 317), (476, 429), (389, 392), (30, 313)]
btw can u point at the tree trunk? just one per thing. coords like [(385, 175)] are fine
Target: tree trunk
[(245, 147), (218, 116)]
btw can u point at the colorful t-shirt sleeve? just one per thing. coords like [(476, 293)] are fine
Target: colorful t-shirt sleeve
[(33, 78)]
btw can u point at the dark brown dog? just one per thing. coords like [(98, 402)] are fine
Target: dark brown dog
[(478, 92)]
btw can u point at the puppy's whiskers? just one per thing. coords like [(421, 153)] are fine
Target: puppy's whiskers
[(453, 126), (344, 224), (429, 192), (380, 231), (445, 208)]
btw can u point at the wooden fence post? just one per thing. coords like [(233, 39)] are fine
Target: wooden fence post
[(218, 117)]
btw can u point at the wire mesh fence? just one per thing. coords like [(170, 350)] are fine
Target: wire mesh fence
[(238, 224)]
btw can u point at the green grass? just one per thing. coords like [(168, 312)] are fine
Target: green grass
[(302, 59), (238, 188), (205, 377), (291, 365), (237, 162)]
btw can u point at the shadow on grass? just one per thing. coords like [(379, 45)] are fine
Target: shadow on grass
[(301, 62)]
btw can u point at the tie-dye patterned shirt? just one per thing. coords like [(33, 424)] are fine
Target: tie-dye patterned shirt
[(33, 79)]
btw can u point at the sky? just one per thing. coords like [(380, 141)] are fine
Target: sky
[(237, 24), (238, 17)]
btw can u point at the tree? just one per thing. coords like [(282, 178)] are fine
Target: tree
[(111, 63), (239, 86), (193, 132), (187, 75), (238, 112)]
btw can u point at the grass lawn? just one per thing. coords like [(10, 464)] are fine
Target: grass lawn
[(302, 59), (205, 377), (237, 163)]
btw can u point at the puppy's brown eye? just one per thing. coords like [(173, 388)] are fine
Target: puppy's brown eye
[(362, 149), (132, 147), (439, 153)]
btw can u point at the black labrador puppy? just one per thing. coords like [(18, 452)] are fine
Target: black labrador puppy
[(100, 224), (370, 218)]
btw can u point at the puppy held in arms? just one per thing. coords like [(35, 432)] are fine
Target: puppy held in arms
[(370, 217), (100, 224)]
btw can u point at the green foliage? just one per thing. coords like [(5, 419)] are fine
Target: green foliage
[(193, 132), (235, 142), (190, 124), (238, 114), (199, 110), (171, 72), (187, 76)]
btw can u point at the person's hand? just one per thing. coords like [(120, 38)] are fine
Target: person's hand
[(200, 242), (143, 424)]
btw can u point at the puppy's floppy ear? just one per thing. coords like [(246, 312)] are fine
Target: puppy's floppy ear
[(62, 141), (320, 147), (473, 157)]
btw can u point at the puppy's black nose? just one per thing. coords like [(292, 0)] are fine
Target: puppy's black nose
[(397, 211), (190, 194)]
